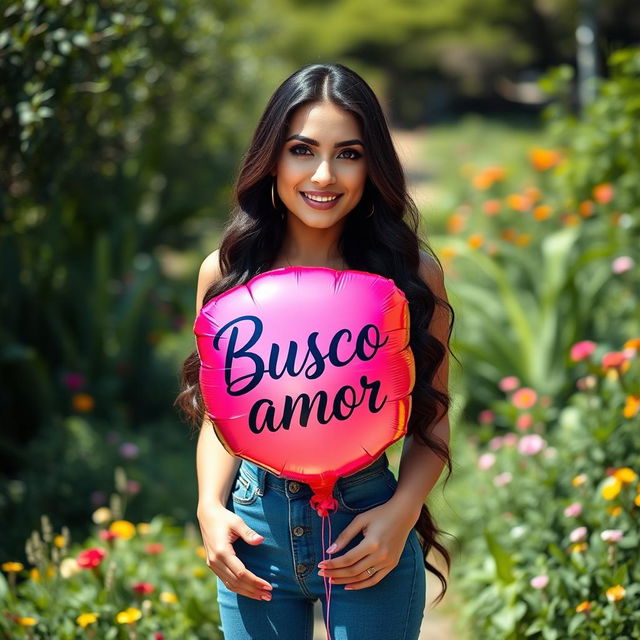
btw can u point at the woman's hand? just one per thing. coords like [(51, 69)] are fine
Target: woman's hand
[(385, 529), (220, 529)]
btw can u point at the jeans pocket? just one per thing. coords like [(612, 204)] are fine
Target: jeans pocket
[(245, 489), (356, 497)]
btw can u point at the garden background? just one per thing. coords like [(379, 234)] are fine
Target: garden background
[(122, 124)]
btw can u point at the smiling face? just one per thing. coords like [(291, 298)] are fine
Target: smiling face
[(322, 169)]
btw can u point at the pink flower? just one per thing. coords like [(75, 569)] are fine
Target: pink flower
[(531, 444), (539, 582), (495, 443), (154, 548), (573, 510), (107, 535), (133, 487), (613, 359), (582, 350), (486, 460), (509, 383), (524, 398), (622, 264), (509, 439), (502, 478), (578, 534), (612, 535), (486, 417), (524, 421), (129, 450), (74, 381), (91, 558)]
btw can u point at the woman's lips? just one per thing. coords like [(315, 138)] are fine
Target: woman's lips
[(320, 205)]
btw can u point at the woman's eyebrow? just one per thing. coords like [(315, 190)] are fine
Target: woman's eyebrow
[(315, 143)]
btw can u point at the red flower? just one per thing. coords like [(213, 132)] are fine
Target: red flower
[(158, 635), (154, 547), (91, 558), (143, 588), (108, 535), (613, 359)]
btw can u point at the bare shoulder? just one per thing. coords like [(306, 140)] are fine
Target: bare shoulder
[(431, 273), (210, 272)]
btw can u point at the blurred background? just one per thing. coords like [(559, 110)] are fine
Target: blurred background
[(122, 125)]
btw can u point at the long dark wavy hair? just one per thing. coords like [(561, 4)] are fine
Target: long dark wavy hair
[(386, 243)]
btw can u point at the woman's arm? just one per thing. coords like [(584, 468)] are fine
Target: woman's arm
[(420, 467), (216, 470)]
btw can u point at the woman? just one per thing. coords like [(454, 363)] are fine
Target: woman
[(321, 185)]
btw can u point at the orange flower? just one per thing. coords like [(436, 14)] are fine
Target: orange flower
[(475, 240), (632, 406), (448, 252), (488, 176), (533, 193), (603, 193), (508, 234), (492, 207), (518, 202), (542, 212), (583, 607), (523, 239), (626, 475), (82, 402), (544, 159), (634, 343), (615, 593), (570, 220), (456, 223), (614, 510), (585, 208)]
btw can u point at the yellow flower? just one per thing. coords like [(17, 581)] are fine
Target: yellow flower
[(636, 500), (579, 480), (123, 529), (102, 515), (128, 616), (168, 597), (583, 607), (615, 593), (34, 574), (199, 572), (632, 406), (27, 621), (51, 571), (144, 528), (448, 252), (523, 239), (614, 510), (83, 402), (85, 619), (201, 552), (625, 475), (12, 567), (579, 547), (58, 541), (611, 488), (69, 567)]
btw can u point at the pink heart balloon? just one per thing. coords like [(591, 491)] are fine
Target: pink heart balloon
[(307, 371)]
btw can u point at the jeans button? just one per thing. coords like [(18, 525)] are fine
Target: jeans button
[(294, 487), (298, 531), (301, 568)]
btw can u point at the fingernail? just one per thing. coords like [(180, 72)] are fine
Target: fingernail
[(321, 573), (255, 535), (332, 548), (267, 587), (265, 597), (348, 588)]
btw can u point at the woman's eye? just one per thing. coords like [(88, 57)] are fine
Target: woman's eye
[(354, 154), (299, 150)]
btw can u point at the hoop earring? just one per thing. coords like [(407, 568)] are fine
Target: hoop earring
[(273, 200), (373, 207)]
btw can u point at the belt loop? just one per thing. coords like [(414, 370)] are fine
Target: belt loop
[(262, 479)]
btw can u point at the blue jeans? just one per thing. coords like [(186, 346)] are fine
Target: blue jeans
[(288, 556)]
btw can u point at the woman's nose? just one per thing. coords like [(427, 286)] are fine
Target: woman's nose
[(323, 173)]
